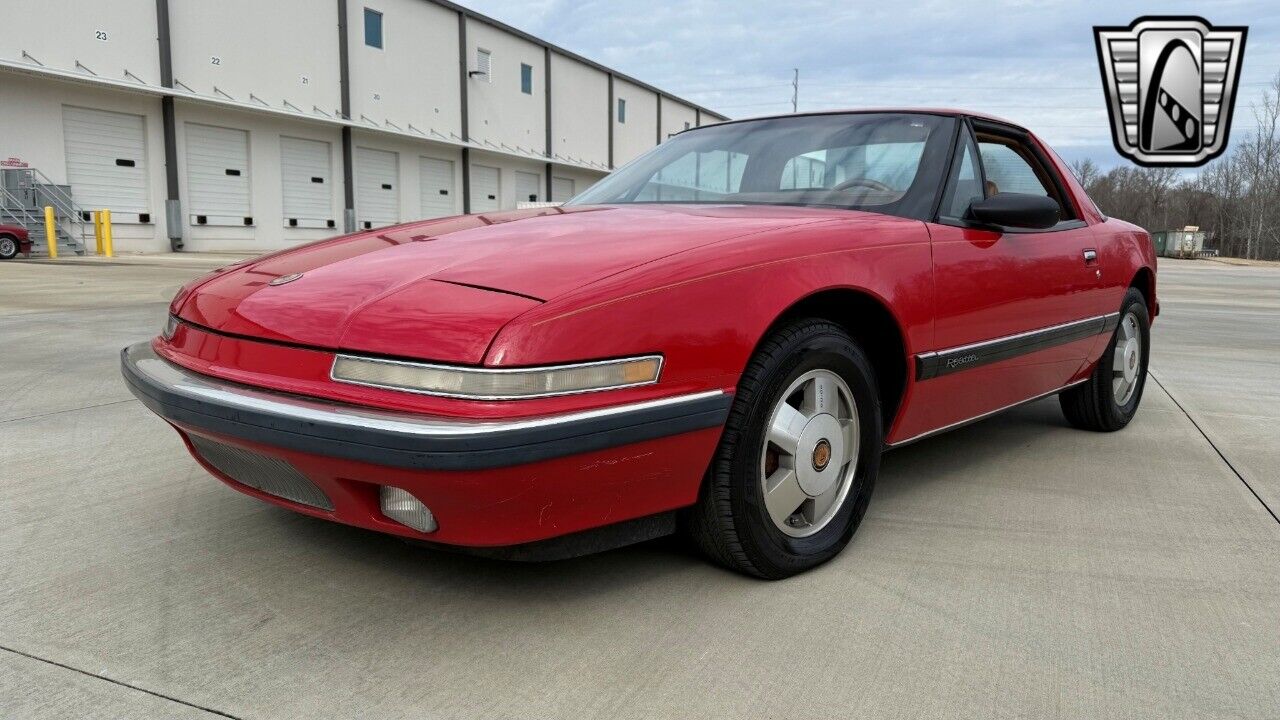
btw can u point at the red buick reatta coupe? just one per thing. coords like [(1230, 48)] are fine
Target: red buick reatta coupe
[(721, 337)]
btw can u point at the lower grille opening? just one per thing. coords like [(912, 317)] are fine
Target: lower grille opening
[(272, 476)]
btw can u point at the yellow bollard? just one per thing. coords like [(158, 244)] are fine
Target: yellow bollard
[(50, 231), (107, 248), (97, 231)]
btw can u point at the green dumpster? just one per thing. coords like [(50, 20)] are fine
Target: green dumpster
[(1159, 239)]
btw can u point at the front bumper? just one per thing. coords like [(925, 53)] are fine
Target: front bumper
[(488, 482)]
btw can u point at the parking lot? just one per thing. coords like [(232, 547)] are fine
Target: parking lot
[(1014, 568)]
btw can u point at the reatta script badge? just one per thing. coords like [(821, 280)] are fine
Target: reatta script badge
[(283, 279)]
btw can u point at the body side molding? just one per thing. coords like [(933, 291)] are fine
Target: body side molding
[(944, 362)]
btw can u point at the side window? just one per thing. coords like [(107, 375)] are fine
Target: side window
[(1007, 171), (1010, 166), (966, 186)]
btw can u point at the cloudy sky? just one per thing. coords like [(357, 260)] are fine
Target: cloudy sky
[(1031, 61)]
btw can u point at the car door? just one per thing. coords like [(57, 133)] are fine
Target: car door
[(1016, 310)]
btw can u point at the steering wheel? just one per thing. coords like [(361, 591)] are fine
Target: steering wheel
[(863, 182)]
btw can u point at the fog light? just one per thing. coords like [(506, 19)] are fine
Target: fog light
[(406, 509)]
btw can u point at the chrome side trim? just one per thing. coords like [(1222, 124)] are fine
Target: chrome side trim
[(942, 362), (1029, 333), (983, 416), (403, 439), (206, 389)]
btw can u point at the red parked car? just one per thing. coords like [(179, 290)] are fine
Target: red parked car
[(13, 240), (722, 336)]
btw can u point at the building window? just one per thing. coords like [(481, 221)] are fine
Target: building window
[(622, 110), (482, 64), (372, 28), (526, 79)]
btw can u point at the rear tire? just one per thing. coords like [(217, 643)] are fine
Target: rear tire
[(814, 374), (8, 247), (1109, 399)]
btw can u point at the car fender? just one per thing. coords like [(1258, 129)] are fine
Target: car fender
[(707, 310)]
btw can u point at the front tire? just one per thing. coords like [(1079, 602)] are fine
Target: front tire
[(798, 459), (1109, 399), (8, 247)]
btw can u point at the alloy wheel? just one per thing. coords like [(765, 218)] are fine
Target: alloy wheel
[(810, 454), (1126, 360)]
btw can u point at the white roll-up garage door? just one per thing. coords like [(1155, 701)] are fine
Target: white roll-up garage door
[(218, 175), (528, 187), (377, 188), (561, 189), (306, 180), (486, 189), (436, 181), (107, 161)]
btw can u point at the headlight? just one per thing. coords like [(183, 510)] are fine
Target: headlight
[(170, 327), (495, 383)]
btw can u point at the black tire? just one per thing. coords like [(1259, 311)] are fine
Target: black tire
[(730, 523), (1092, 404), (8, 247)]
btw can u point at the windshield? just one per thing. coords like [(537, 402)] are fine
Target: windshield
[(883, 162)]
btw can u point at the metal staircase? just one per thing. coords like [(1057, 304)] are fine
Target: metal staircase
[(24, 194)]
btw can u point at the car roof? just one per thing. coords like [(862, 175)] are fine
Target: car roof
[(949, 112)]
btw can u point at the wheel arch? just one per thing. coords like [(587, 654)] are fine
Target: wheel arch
[(869, 320), (1144, 281)]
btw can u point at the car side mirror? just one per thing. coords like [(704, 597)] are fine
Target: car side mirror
[(1017, 210)]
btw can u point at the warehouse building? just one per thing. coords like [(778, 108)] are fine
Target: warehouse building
[(242, 125)]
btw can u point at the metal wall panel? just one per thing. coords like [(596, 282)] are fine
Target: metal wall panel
[(306, 179), (528, 187), (437, 187), (377, 188), (486, 189), (218, 175), (562, 189), (106, 159)]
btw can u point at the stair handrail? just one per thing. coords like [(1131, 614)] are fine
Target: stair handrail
[(9, 211), (64, 205), (27, 218)]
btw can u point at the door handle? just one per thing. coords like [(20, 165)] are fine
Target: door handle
[(1090, 256)]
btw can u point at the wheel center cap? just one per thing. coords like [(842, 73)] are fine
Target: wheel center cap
[(821, 455), (1130, 361), (822, 440)]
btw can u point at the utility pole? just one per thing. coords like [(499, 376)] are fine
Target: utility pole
[(795, 88)]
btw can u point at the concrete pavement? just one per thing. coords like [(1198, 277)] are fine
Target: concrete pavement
[(1014, 568)]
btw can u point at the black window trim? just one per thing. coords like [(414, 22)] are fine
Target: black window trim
[(1021, 136)]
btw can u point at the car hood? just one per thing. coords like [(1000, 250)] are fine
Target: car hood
[(440, 290)]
